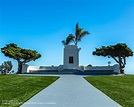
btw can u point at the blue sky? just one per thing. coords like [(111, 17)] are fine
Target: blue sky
[(42, 25)]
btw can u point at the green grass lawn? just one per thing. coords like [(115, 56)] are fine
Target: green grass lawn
[(119, 88), (15, 89)]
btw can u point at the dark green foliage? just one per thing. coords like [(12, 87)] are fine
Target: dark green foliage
[(21, 55), (79, 34), (90, 65), (6, 67), (119, 88), (68, 40), (118, 52)]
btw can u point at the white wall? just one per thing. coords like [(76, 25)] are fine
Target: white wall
[(71, 50), (99, 68), (115, 68), (26, 68)]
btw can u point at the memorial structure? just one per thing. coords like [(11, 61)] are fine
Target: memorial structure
[(71, 57), (71, 65)]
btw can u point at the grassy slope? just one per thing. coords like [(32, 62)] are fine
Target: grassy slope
[(119, 88), (15, 89)]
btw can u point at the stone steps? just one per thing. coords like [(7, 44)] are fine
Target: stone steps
[(71, 71), (66, 71)]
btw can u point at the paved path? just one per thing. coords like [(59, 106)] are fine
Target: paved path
[(70, 91)]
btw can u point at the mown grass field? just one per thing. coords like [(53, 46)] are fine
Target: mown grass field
[(119, 88), (15, 89)]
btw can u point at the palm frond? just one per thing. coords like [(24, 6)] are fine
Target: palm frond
[(63, 42), (76, 29), (82, 34), (69, 39), (79, 34)]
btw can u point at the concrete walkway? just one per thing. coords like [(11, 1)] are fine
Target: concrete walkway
[(70, 91)]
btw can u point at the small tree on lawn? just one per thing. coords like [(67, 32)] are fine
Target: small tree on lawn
[(6, 67), (118, 52), (21, 55)]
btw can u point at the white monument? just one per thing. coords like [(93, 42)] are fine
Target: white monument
[(71, 57), (71, 61)]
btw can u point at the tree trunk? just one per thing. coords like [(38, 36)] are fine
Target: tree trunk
[(121, 66), (76, 43), (121, 70), (19, 67)]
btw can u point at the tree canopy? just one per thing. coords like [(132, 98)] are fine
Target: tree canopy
[(79, 34), (118, 52), (21, 55)]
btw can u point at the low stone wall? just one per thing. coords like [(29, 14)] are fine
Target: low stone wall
[(103, 69), (29, 69), (87, 70)]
